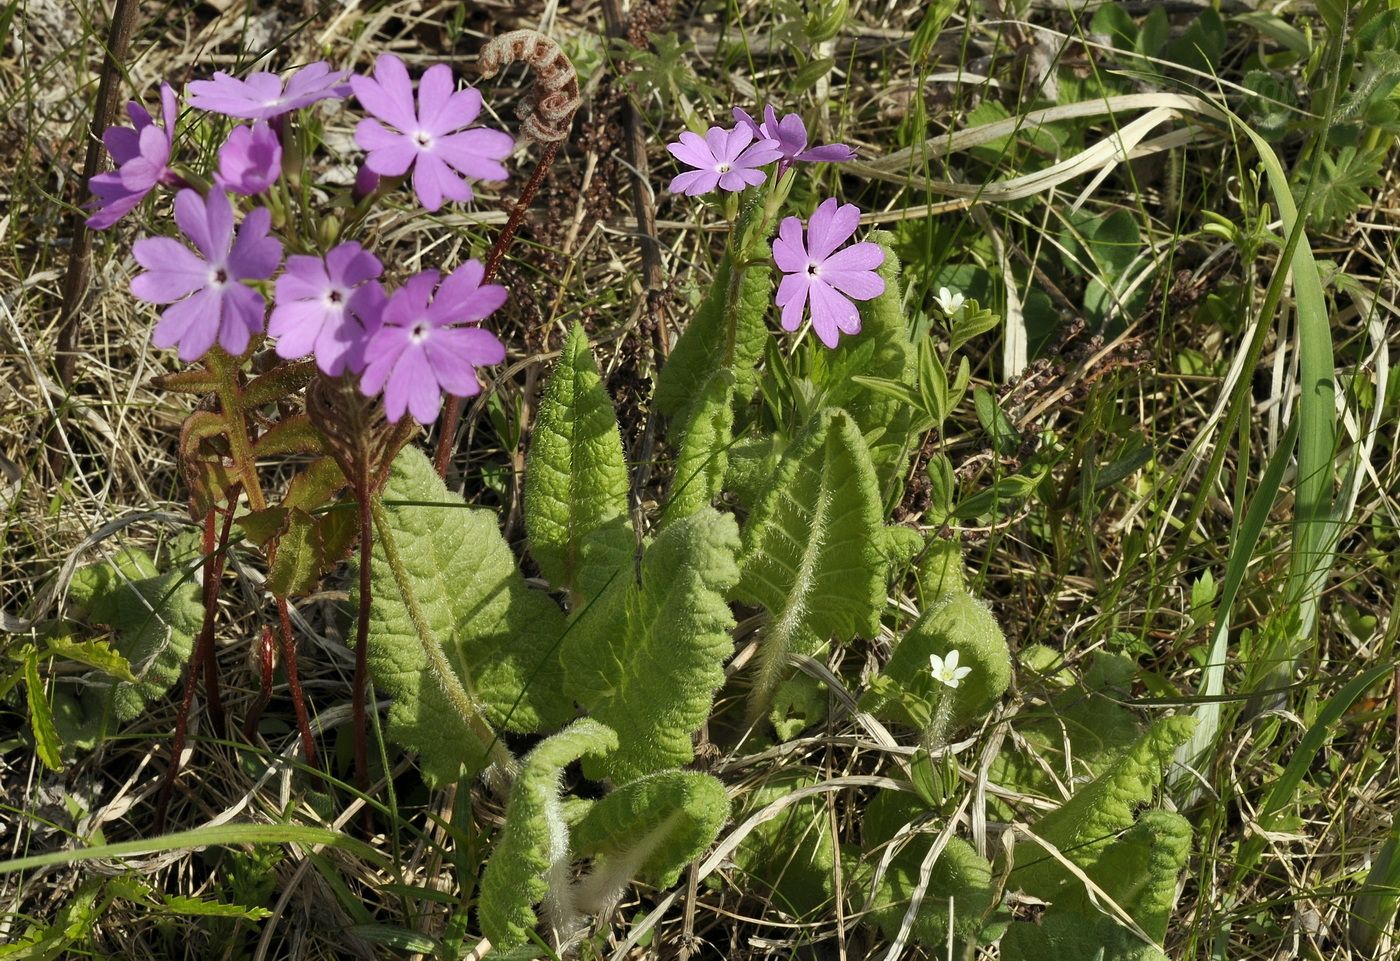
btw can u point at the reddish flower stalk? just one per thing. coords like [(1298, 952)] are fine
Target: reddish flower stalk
[(215, 554)]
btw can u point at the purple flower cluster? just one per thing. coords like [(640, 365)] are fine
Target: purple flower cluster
[(413, 344), (820, 281)]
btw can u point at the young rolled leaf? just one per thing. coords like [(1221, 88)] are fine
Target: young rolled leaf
[(646, 658), (649, 830), (530, 862), (576, 478), (1086, 826), (497, 634), (883, 350), (812, 549), (743, 301), (706, 432), (1139, 871)]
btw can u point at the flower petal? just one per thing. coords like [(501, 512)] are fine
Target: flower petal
[(789, 250), (831, 225)]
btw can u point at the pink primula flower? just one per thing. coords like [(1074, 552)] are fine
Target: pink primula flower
[(250, 159), (728, 159), (432, 138), (142, 156), (329, 306), (790, 133), (263, 96), (207, 300), (429, 343), (823, 277)]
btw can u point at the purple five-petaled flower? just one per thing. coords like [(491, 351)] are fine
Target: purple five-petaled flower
[(790, 133), (431, 138), (208, 301), (329, 306), (823, 277), (728, 159), (250, 159), (263, 96), (429, 343), (141, 154)]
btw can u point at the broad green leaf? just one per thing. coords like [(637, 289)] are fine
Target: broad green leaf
[(310, 548), (956, 621), (741, 299), (650, 830), (706, 432), (752, 461), (646, 659), (812, 548), (575, 477), (498, 635), (884, 352), (155, 618), (530, 862), (1086, 825)]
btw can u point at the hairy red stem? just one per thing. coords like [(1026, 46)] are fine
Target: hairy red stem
[(267, 645), (289, 663), (215, 554), (447, 437)]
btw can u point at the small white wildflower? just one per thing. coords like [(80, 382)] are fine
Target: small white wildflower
[(946, 670), (949, 301)]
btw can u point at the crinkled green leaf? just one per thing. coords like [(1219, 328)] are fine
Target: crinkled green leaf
[(700, 351), (706, 432), (1086, 825), (646, 658), (812, 548), (752, 461), (576, 478), (498, 634), (882, 350), (650, 830), (530, 862)]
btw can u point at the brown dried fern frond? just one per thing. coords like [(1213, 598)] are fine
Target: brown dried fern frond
[(547, 112)]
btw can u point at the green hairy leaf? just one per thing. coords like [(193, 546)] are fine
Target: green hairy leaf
[(706, 430), (649, 830), (812, 548), (155, 617), (752, 461), (576, 478), (882, 351), (961, 622), (646, 659), (701, 348), (1086, 826), (530, 862), (497, 634)]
